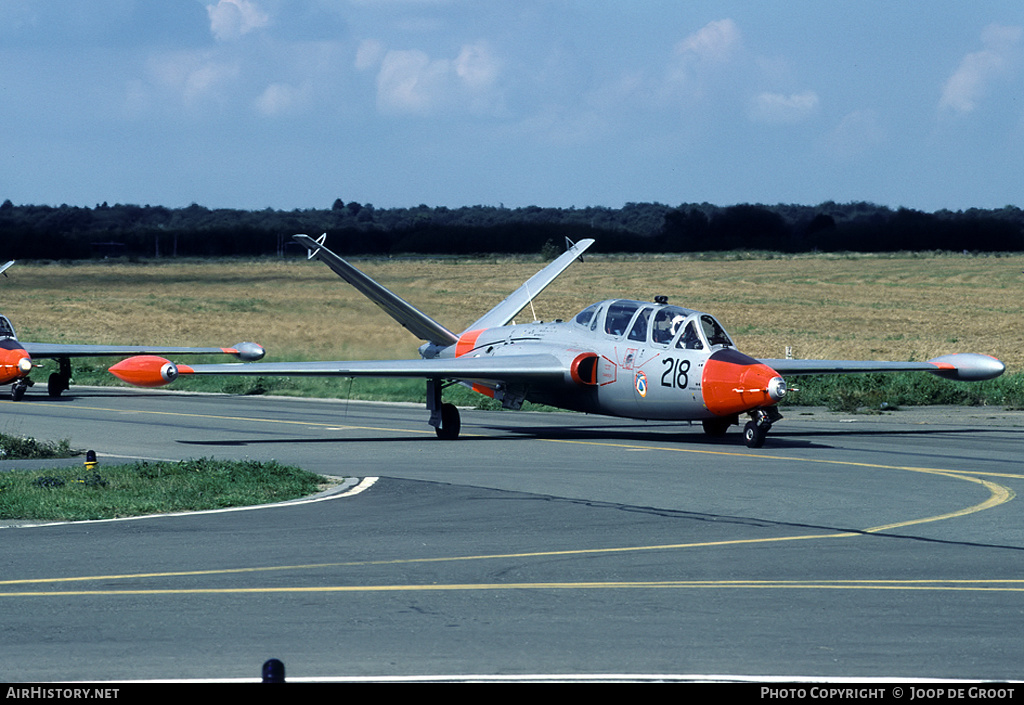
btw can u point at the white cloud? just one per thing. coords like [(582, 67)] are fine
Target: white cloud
[(699, 59), (230, 19), (977, 71), (715, 42), (858, 133), (777, 108), (369, 54), (410, 81), (283, 99), (476, 66), (193, 77)]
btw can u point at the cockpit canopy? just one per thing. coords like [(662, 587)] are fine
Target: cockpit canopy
[(654, 324), (6, 329)]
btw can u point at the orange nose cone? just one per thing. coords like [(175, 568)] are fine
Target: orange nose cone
[(15, 363), (146, 371), (733, 383)]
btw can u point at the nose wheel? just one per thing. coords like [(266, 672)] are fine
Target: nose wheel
[(760, 423), (19, 388), (754, 434)]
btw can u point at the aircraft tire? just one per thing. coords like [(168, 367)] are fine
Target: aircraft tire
[(56, 385), (754, 435), (17, 392), (451, 423)]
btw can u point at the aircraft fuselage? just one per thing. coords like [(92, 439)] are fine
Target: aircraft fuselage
[(632, 359)]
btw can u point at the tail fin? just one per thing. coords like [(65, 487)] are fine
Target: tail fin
[(420, 324), (415, 321), (509, 308)]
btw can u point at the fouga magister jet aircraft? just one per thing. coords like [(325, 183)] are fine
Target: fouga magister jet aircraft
[(16, 356), (636, 359)]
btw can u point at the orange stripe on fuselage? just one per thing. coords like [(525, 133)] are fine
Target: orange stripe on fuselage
[(467, 341)]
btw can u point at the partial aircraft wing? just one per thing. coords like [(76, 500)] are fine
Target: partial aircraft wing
[(249, 352), (960, 366), (151, 371)]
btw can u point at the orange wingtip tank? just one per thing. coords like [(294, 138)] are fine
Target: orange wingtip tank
[(148, 371)]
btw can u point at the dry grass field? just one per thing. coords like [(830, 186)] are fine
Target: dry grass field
[(898, 307)]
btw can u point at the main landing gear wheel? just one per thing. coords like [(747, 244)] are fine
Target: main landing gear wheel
[(57, 384), (451, 423)]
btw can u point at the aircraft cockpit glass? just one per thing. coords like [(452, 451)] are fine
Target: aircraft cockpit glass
[(714, 332), (584, 317), (6, 329), (618, 317), (689, 340), (639, 330), (667, 322)]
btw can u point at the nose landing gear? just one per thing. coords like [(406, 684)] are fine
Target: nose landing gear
[(760, 423)]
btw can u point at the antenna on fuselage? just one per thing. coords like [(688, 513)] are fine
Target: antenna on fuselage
[(533, 311)]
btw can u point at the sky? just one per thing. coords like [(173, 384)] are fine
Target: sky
[(289, 104)]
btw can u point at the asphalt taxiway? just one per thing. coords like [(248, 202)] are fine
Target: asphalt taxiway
[(539, 543)]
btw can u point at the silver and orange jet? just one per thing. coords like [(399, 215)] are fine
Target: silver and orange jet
[(619, 357), (16, 356)]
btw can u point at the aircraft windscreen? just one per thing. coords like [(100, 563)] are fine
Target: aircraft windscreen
[(6, 329), (714, 332)]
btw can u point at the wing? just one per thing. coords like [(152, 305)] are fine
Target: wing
[(970, 367), (243, 351), (152, 371)]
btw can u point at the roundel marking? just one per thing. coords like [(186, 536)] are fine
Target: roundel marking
[(641, 383)]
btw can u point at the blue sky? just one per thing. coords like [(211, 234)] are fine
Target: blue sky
[(294, 103)]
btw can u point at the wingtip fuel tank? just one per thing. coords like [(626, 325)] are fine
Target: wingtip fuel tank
[(147, 371), (968, 367)]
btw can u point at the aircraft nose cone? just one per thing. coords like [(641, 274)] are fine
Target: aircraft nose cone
[(777, 388), (15, 363), (733, 383)]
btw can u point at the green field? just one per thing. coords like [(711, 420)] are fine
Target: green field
[(899, 307)]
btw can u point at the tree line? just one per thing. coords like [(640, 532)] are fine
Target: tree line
[(74, 232)]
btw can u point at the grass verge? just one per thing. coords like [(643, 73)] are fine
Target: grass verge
[(26, 447), (134, 489)]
